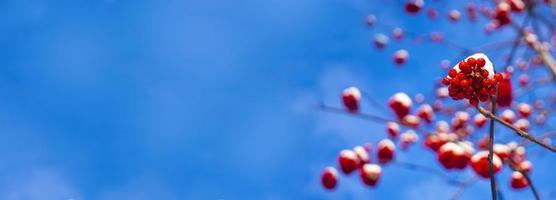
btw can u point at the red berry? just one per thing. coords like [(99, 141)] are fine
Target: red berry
[(518, 180), (454, 155), (329, 178), (484, 72), (370, 174), (400, 103), (471, 62), (461, 75), (385, 151), (524, 109), (452, 73), (505, 93), (483, 98), (446, 81), (348, 161), (393, 129), (351, 97), (480, 164), (426, 113), (481, 62), (502, 151), (464, 83), (480, 120), (498, 77), (414, 6), (474, 101)]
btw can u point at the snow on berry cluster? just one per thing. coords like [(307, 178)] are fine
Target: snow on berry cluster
[(472, 78)]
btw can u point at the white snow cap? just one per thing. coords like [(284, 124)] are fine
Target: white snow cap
[(381, 38), (462, 116), (501, 148), (488, 65), (442, 126), (442, 92), (425, 108), (522, 123), (402, 98), (479, 116), (361, 153), (467, 146), (372, 169), (332, 171), (348, 154), (409, 136), (509, 114), (402, 53), (524, 107), (517, 175), (454, 148), (484, 154), (352, 91), (393, 125), (386, 143), (419, 3)]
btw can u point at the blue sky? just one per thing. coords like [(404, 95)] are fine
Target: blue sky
[(121, 99)]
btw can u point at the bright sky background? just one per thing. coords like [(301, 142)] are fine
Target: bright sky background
[(169, 99)]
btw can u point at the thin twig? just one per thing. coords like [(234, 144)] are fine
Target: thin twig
[(545, 56), (430, 170), (519, 132), (527, 177), (516, 43), (372, 101), (462, 188), (542, 137), (374, 118)]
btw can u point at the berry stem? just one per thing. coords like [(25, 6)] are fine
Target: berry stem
[(521, 133)]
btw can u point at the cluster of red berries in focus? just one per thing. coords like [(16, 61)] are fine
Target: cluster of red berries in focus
[(473, 79)]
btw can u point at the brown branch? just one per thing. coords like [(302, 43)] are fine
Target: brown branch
[(542, 137), (491, 149), (519, 132)]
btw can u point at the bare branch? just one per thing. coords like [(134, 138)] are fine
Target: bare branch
[(519, 132), (491, 149), (366, 116), (542, 137), (414, 166), (462, 188)]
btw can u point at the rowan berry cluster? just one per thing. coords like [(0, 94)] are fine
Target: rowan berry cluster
[(472, 79)]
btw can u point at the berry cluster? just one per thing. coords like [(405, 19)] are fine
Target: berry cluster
[(473, 79), (359, 159), (449, 140)]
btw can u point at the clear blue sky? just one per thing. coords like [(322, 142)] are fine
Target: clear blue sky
[(133, 99)]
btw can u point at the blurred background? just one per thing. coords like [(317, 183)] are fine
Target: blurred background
[(122, 99)]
